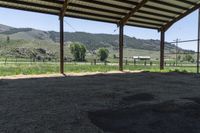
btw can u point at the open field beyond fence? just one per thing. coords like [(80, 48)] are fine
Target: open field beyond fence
[(28, 68)]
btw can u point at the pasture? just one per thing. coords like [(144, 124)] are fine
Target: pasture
[(24, 66)]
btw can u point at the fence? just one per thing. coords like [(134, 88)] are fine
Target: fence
[(184, 55)]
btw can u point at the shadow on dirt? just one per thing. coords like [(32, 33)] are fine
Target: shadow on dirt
[(194, 99), (166, 117), (61, 104), (2, 83), (141, 97)]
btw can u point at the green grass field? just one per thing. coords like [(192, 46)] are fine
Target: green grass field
[(11, 64), (27, 68)]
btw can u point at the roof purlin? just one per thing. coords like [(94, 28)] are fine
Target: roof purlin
[(26, 9), (31, 4)]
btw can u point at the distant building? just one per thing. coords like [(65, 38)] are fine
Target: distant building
[(138, 58)]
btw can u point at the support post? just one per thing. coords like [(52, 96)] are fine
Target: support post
[(121, 45), (61, 45), (162, 49), (198, 44)]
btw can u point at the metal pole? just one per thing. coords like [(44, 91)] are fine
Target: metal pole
[(176, 52), (121, 44), (198, 43), (162, 49), (61, 45)]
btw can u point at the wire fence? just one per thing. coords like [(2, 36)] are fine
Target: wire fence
[(185, 54)]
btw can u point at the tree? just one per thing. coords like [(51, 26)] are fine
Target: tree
[(188, 58), (103, 54), (179, 57), (78, 51), (8, 39), (82, 52), (114, 56)]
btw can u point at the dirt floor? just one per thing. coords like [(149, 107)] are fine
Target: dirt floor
[(101, 103)]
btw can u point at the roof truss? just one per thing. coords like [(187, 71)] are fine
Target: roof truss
[(154, 14), (124, 20), (64, 8)]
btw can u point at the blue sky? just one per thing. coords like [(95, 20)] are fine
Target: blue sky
[(184, 29)]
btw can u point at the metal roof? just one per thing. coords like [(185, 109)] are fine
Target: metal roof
[(154, 14)]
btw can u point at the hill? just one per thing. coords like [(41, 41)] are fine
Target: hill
[(92, 41), (29, 39)]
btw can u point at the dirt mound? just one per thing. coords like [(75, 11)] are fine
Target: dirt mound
[(166, 117)]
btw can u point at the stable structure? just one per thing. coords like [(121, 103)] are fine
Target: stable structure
[(154, 14), (139, 58)]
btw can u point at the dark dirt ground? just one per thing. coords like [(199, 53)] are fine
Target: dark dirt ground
[(110, 103)]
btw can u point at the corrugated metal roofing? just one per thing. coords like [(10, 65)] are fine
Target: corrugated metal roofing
[(155, 14)]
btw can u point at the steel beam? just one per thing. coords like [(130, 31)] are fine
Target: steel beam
[(170, 23), (121, 45), (61, 45), (64, 8), (132, 12), (198, 44), (162, 49)]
